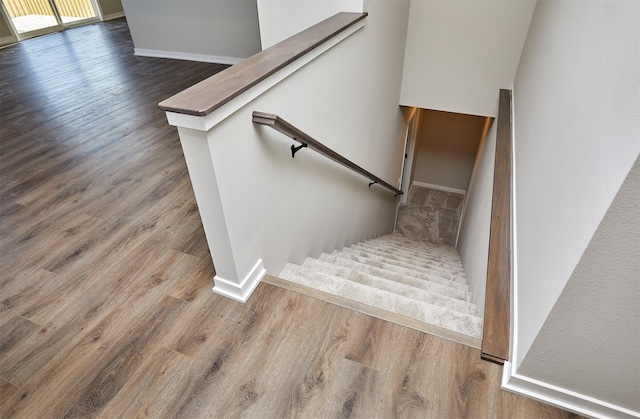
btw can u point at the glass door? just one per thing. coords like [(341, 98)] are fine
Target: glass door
[(75, 11), (31, 16), (37, 17)]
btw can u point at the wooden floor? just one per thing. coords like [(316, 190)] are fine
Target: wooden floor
[(105, 301)]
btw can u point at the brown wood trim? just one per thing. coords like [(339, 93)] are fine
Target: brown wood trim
[(495, 337), (282, 126), (374, 312), (490, 358), (208, 95)]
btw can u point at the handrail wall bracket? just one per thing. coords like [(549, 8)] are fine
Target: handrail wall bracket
[(295, 149), (282, 126)]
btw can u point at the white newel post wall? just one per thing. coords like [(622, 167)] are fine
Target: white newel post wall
[(229, 281)]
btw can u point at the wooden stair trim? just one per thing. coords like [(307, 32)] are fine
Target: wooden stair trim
[(374, 312), (205, 97), (496, 329)]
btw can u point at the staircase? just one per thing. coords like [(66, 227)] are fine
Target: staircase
[(401, 279)]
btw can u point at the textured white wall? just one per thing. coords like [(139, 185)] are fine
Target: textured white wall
[(280, 19), (220, 28), (460, 53), (604, 290), (280, 209), (576, 107), (473, 240)]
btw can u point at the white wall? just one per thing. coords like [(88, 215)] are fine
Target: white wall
[(446, 148), (605, 289), (460, 53), (577, 134), (473, 240), (280, 209), (576, 108), (309, 204), (223, 31), (280, 19)]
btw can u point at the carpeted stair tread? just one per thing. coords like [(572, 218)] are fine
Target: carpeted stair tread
[(394, 267), (449, 255), (395, 287), (412, 260), (439, 316), (415, 243), (399, 274), (424, 257), (439, 254), (434, 250), (367, 254), (413, 257)]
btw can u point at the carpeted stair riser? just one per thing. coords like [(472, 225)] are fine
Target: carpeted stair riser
[(410, 278), (395, 266), (422, 254), (428, 313), (437, 250), (434, 250), (428, 263), (381, 258), (399, 288), (420, 260), (415, 243), (445, 257), (406, 276)]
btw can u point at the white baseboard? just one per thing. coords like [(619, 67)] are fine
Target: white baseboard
[(175, 55), (112, 16), (439, 188), (561, 397), (240, 292)]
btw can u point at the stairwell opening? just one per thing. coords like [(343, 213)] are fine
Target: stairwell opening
[(442, 157), (414, 276)]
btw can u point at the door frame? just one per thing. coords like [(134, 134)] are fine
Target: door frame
[(17, 37), (409, 153)]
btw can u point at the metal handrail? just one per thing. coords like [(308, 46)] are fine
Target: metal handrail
[(279, 124)]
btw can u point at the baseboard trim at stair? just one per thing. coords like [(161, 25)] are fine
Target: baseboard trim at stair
[(176, 55), (375, 312), (560, 397), (240, 292)]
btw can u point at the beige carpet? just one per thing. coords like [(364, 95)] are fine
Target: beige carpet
[(430, 215), (412, 278)]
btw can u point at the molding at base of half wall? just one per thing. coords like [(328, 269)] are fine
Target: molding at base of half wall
[(240, 291), (561, 397), (175, 55)]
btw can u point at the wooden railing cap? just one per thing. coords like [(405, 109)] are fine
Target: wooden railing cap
[(205, 97)]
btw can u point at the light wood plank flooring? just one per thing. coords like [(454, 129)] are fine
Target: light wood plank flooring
[(106, 307)]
